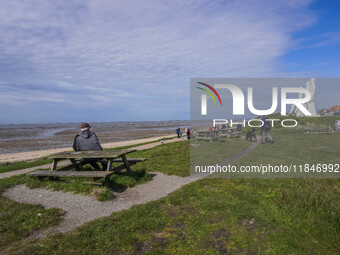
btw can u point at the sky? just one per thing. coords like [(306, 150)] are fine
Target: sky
[(108, 60)]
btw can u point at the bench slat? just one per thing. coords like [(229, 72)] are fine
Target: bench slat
[(71, 173), (129, 159), (90, 154)]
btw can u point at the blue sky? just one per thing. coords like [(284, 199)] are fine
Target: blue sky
[(101, 60)]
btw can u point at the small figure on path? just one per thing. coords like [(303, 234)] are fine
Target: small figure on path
[(265, 129), (239, 127), (188, 133), (88, 141), (178, 131)]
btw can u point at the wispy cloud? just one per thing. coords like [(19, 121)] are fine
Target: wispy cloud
[(321, 40), (136, 55)]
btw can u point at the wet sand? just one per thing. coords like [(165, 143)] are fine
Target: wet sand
[(35, 137), (31, 155)]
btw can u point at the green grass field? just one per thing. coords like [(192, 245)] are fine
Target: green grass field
[(209, 216), (8, 167)]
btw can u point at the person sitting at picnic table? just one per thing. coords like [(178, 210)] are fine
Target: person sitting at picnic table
[(88, 141)]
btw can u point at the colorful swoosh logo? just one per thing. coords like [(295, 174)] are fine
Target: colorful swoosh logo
[(209, 93)]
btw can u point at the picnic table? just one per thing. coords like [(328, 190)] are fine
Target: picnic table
[(216, 134), (80, 158), (319, 130)]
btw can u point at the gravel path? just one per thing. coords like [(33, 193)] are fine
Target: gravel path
[(27, 170), (80, 209)]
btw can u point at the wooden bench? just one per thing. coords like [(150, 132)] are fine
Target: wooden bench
[(234, 134), (320, 130), (93, 174)]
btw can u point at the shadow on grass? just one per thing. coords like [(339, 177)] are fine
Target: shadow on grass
[(119, 182)]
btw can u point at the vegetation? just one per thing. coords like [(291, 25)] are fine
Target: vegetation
[(18, 221), (7, 167), (216, 216)]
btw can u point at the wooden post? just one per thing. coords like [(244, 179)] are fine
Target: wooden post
[(54, 164), (109, 164), (126, 163), (74, 163)]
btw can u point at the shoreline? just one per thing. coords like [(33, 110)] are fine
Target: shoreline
[(31, 155)]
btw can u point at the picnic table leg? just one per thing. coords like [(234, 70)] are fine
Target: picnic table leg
[(54, 164), (126, 163), (74, 163), (109, 164)]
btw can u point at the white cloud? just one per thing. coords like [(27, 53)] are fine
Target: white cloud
[(122, 51)]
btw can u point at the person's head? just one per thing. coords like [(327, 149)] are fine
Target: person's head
[(84, 126)]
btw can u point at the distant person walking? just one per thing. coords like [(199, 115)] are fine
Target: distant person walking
[(178, 131), (265, 129), (188, 133), (88, 141)]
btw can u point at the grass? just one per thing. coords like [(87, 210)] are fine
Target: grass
[(139, 144), (89, 187), (219, 216), (18, 221), (171, 158), (208, 153), (215, 216), (174, 158), (7, 167), (294, 147), (12, 166)]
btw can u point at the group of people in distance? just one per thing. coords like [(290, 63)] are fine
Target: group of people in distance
[(180, 133)]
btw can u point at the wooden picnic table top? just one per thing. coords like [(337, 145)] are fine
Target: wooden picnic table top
[(214, 131), (91, 154)]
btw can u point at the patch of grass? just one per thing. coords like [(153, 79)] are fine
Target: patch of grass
[(209, 153), (129, 179), (7, 167), (294, 147), (90, 187), (18, 221), (171, 158), (215, 216), (174, 158), (106, 195)]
